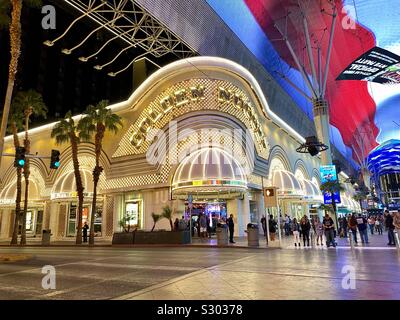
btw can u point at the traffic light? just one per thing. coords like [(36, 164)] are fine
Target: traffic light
[(55, 159), (19, 161)]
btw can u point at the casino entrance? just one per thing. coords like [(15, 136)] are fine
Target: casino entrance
[(216, 184)]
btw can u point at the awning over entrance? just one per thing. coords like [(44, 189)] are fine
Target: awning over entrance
[(9, 193), (311, 191), (65, 186), (288, 185), (209, 170)]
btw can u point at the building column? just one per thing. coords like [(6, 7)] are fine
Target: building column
[(107, 227), (53, 217), (241, 214), (261, 210), (321, 120), (6, 218), (46, 215)]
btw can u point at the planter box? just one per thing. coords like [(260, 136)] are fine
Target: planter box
[(162, 237), (123, 238)]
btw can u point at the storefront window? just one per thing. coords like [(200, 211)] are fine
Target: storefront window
[(98, 219), (132, 211), (29, 221)]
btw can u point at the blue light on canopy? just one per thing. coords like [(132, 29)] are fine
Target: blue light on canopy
[(385, 158)]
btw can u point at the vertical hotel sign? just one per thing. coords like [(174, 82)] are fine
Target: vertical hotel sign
[(328, 174)]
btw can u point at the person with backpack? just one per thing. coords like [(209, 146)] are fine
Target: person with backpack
[(272, 227), (353, 226)]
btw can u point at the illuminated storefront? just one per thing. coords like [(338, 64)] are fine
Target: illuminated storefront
[(211, 137)]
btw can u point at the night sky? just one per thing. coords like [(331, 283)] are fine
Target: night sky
[(65, 82)]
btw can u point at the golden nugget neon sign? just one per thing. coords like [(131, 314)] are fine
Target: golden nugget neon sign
[(195, 94)]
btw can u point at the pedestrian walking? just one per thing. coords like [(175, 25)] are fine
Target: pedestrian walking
[(319, 230), (371, 224), (390, 228), (295, 227), (231, 226), (362, 228), (353, 226), (329, 227), (85, 231), (272, 227), (264, 224), (305, 227)]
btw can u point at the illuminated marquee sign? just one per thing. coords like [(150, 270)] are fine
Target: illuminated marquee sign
[(67, 195), (196, 94)]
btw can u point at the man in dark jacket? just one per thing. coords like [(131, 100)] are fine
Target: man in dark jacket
[(390, 228), (362, 228), (231, 226)]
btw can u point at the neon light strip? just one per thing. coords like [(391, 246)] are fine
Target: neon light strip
[(177, 67)]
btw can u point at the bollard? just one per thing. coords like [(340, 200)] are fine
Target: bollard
[(351, 240), (397, 240), (312, 239)]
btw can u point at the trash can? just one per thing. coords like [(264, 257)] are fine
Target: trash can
[(222, 234), (252, 235), (46, 237)]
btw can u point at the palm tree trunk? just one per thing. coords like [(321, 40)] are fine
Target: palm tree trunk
[(100, 129), (79, 187), (27, 145), (92, 214), (154, 225), (17, 218), (335, 213), (15, 44)]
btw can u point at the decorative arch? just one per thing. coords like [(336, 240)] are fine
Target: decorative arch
[(278, 154), (316, 177), (300, 167)]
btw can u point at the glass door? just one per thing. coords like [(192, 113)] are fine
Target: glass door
[(72, 218), (39, 222)]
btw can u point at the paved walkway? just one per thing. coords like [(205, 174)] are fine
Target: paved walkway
[(201, 273), (375, 242)]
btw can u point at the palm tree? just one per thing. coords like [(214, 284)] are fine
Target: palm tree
[(156, 218), (67, 131), (15, 45), (16, 125), (98, 120), (360, 196), (31, 102), (167, 213), (332, 187)]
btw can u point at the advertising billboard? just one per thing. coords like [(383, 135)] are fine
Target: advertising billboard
[(328, 173), (376, 65)]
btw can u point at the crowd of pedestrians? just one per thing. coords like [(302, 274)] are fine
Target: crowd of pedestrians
[(355, 226)]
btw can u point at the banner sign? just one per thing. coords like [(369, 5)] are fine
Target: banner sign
[(328, 173), (376, 65)]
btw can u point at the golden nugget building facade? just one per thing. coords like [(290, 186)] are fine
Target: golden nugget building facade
[(200, 127)]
